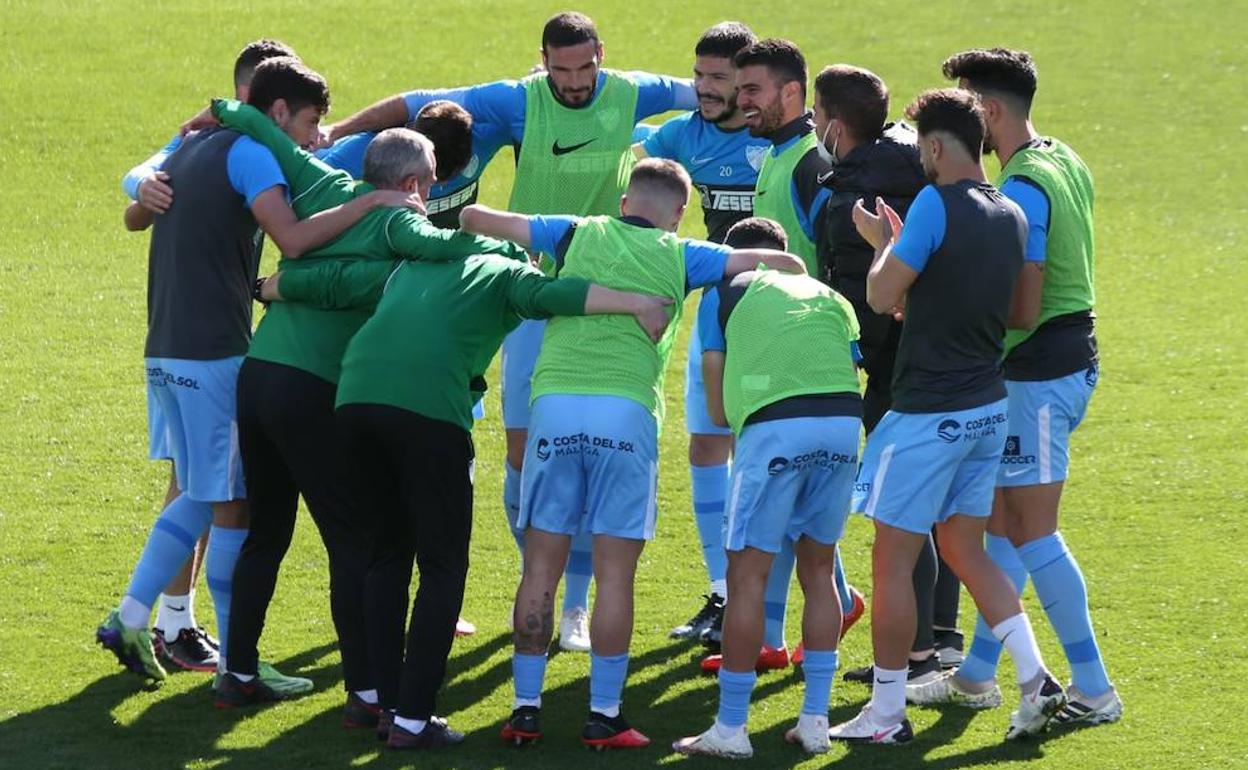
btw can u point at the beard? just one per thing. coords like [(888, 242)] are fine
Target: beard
[(728, 108), (770, 118)]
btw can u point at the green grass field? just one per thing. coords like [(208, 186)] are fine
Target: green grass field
[(1150, 93)]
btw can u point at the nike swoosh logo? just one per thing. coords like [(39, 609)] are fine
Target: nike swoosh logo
[(824, 177), (556, 149), (1012, 474), (885, 681), (1051, 604), (882, 734), (700, 161), (177, 609)]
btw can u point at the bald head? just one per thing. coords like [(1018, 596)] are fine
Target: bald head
[(397, 155)]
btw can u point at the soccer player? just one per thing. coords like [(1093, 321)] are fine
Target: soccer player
[(573, 125), (779, 360), (459, 144), (932, 460), (287, 386), (874, 158), (409, 380), (591, 463), (1051, 369), (723, 159), (771, 94), (179, 639), (204, 254)]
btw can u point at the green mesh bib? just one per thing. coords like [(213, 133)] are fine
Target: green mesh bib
[(773, 198)]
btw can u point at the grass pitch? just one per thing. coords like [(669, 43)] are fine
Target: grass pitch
[(1150, 93)]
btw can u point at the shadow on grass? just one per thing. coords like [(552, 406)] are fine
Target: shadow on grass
[(184, 730)]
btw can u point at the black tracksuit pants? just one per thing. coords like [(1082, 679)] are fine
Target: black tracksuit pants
[(291, 445), (416, 476)]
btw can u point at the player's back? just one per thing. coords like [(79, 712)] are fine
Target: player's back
[(611, 355), (203, 258)]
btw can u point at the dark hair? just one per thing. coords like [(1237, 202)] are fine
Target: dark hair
[(285, 77), (999, 71), (757, 233), (955, 111), (254, 53), (449, 127), (568, 28), (855, 96), (725, 40), (782, 59), (662, 174)]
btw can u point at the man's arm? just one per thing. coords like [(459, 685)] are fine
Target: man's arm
[(1028, 291), (483, 220), (899, 258), (500, 103), (336, 284), (137, 217), (711, 335), (296, 237), (748, 259), (662, 93), (709, 263), (532, 294), (146, 184), (414, 237), (660, 142), (390, 112)]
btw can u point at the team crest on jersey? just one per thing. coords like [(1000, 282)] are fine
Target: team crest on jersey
[(474, 165), (754, 156), (609, 117)]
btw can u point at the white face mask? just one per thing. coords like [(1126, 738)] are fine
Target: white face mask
[(821, 147)]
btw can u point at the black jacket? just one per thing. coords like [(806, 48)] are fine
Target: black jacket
[(887, 167)]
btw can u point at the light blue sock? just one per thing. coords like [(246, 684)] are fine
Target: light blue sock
[(170, 543), (511, 502), (842, 585), (578, 572), (224, 546), (980, 663), (776, 595), (606, 682), (527, 673), (1064, 595), (819, 668), (734, 696), (710, 488)]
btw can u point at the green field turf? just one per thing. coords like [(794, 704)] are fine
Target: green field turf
[(1150, 93)]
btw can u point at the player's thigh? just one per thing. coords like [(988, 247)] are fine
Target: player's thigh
[(830, 465), (1042, 416), (200, 405), (907, 469), (697, 417), (621, 456), (552, 485), (974, 478), (520, 350), (763, 488)]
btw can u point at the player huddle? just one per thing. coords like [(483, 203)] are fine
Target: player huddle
[(837, 242)]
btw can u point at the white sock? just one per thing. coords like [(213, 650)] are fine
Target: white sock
[(521, 702), (243, 677), (368, 696), (413, 726), (174, 613), (888, 694), (725, 731), (132, 613), (1016, 634), (720, 588), (611, 712)]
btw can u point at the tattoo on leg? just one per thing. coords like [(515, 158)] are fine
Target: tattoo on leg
[(534, 632)]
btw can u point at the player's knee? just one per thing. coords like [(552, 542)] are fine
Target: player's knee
[(230, 515), (706, 449), (516, 440)]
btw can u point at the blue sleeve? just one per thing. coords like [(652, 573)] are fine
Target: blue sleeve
[(709, 332), (665, 141), (1035, 205), (499, 106), (642, 132), (807, 216), (252, 169), (704, 262), (660, 93), (130, 182), (545, 232), (923, 231), (855, 352), (348, 153)]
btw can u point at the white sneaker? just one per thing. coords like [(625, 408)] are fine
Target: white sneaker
[(865, 729), (464, 628), (1036, 709), (574, 630), (1083, 709), (947, 688), (811, 732), (712, 743)]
